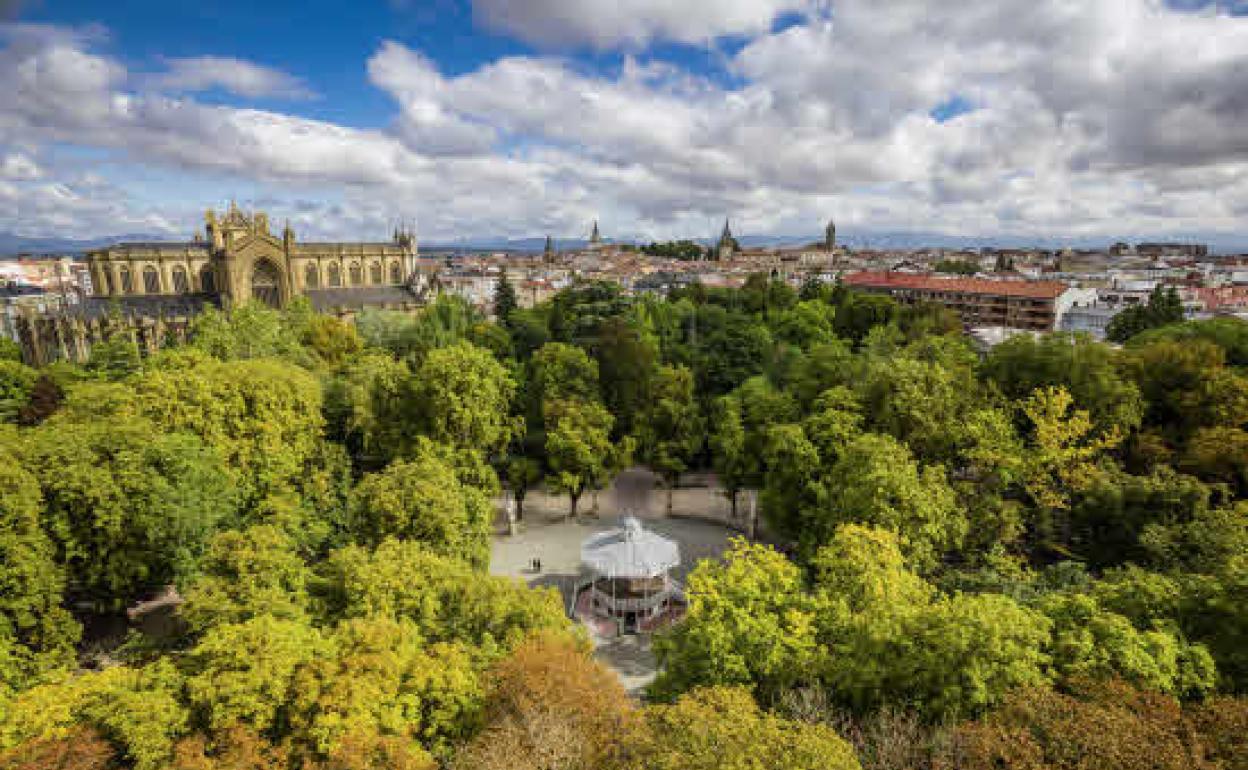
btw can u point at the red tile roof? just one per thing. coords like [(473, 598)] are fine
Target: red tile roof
[(890, 280)]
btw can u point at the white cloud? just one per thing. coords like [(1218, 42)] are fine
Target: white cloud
[(19, 167), (612, 23), (243, 78), (1101, 119)]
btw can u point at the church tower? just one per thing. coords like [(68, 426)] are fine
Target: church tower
[(548, 254), (829, 236), (727, 244), (595, 238)]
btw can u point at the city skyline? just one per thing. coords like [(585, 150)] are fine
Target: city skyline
[(483, 119)]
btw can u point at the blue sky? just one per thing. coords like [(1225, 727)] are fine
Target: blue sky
[(494, 117)]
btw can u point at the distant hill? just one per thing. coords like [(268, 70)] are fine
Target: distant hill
[(13, 245)]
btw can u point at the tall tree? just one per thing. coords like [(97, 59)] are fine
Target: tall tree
[(671, 426), (424, 499), (463, 395), (579, 449), (129, 507), (505, 302)]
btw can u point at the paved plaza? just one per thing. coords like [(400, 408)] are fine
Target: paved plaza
[(549, 535)]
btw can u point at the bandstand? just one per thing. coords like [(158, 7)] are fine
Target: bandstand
[(628, 583)]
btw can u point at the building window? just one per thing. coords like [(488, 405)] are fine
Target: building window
[(207, 280), (151, 280), (180, 284), (127, 283), (335, 275), (374, 273), (266, 284), (396, 273), (312, 276), (107, 274), (357, 274)]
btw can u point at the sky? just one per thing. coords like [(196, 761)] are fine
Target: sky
[(1046, 119)]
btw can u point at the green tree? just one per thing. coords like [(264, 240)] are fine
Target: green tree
[(734, 466), (1162, 308), (722, 728), (245, 574), (895, 640), (1091, 642), (38, 634), (877, 482), (250, 330), (730, 348), (749, 623), (1061, 460), (448, 600), (381, 679), (17, 381), (139, 710), (579, 449), (1090, 371), (331, 340), (115, 358), (264, 417), (956, 266), (671, 427), (464, 396), (424, 499), (10, 350), (367, 409), (505, 302), (523, 473), (626, 365), (130, 508), (858, 313), (243, 673)]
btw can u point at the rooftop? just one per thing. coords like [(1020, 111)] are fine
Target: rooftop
[(1007, 288)]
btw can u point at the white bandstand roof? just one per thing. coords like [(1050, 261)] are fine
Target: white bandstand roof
[(629, 552)]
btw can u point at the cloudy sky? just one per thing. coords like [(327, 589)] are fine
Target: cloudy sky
[(1052, 119)]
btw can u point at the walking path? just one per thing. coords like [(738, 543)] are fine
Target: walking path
[(547, 534)]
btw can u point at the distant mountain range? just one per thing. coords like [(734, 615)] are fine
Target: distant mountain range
[(1218, 244), (11, 244)]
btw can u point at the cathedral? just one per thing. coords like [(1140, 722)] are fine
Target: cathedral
[(151, 291)]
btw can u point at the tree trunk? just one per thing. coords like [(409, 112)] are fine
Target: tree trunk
[(520, 507), (732, 501), (574, 497)]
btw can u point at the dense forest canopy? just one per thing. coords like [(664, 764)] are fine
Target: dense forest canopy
[(1036, 558)]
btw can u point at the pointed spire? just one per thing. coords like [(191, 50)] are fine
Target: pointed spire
[(595, 237)]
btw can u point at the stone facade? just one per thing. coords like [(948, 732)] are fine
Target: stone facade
[(152, 291)]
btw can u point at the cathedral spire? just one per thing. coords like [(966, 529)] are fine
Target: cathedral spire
[(549, 252), (595, 237)]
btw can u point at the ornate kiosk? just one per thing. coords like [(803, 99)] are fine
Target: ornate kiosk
[(628, 584)]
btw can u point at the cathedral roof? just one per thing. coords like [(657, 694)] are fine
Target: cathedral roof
[(360, 297)]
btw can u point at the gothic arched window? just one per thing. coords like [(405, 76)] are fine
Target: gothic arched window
[(151, 280), (127, 283), (335, 275), (374, 273), (180, 284), (266, 284), (312, 276), (107, 275), (357, 274), (396, 273), (207, 280)]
